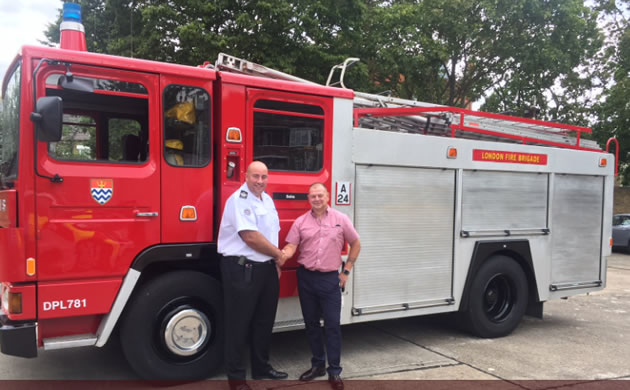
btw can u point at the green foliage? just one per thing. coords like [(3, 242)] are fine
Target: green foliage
[(443, 51), (301, 37), (614, 109), (456, 51)]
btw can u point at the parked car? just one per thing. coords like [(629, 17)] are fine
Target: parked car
[(621, 231)]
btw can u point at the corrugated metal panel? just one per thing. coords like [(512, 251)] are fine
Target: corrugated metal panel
[(576, 228), (405, 219), (494, 200)]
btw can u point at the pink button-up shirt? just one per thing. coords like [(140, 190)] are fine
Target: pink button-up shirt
[(320, 241)]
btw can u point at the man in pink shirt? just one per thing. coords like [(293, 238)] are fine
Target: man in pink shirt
[(320, 235)]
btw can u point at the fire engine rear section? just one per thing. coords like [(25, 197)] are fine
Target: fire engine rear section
[(115, 172)]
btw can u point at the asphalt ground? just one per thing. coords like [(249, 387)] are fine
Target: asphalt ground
[(581, 341)]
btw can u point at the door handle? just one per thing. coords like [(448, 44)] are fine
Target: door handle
[(147, 214)]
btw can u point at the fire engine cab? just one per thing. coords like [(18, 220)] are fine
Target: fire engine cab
[(114, 172)]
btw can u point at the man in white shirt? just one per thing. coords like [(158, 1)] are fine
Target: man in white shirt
[(248, 241)]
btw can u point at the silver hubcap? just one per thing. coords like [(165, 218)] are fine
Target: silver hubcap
[(187, 332)]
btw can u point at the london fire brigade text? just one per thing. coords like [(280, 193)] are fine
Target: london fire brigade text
[(509, 157)]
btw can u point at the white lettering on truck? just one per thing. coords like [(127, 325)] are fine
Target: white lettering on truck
[(65, 304)]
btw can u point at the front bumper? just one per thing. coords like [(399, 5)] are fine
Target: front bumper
[(18, 339)]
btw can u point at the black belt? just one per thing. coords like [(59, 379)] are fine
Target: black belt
[(242, 260), (317, 271)]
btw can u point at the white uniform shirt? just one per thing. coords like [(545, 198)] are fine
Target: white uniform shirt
[(245, 211)]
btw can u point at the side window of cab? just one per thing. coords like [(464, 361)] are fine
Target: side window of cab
[(109, 125), (186, 126), (289, 136)]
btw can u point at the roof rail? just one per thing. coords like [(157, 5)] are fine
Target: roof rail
[(343, 66)]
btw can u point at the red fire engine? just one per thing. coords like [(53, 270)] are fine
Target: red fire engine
[(115, 171)]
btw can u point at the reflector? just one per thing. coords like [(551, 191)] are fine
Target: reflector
[(30, 266), (233, 134), (188, 213)]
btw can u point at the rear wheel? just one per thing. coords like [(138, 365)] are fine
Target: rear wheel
[(497, 299), (173, 328)]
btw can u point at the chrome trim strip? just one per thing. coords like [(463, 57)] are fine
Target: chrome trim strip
[(109, 320), (72, 26), (147, 214), (504, 233), (571, 286), (357, 311), (82, 340)]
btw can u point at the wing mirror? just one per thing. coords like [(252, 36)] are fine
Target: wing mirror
[(48, 118)]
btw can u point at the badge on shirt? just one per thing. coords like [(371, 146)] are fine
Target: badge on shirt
[(247, 212), (243, 194)]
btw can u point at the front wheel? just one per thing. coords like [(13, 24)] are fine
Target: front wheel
[(173, 328), (497, 299)]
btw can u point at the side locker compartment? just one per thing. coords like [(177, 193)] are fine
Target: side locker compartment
[(507, 212), (495, 202), (405, 216), (505, 216), (577, 227)]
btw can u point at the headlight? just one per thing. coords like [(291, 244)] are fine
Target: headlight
[(11, 302)]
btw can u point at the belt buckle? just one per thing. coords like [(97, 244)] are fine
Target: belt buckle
[(242, 260)]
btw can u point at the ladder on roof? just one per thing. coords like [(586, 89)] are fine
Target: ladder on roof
[(238, 65), (374, 111), (411, 116)]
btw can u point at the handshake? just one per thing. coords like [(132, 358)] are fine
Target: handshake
[(285, 254), (282, 257)]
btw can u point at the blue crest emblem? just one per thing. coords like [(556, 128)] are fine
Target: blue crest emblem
[(102, 190)]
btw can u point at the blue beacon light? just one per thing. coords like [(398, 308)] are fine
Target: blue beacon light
[(72, 12)]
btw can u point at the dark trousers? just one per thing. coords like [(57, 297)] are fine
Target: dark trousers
[(320, 297), (251, 300)]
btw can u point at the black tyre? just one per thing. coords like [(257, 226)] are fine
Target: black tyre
[(498, 298), (173, 327)]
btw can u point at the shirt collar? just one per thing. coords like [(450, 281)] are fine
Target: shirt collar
[(245, 188), (325, 213)]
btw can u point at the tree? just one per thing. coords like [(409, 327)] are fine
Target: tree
[(457, 51), (111, 26), (556, 62), (614, 110), (301, 37)]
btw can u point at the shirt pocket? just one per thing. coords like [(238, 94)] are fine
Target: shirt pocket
[(334, 232), (269, 218)]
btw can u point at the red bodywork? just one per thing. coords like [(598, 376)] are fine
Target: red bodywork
[(84, 249)]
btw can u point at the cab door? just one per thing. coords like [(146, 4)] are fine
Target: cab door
[(292, 135), (187, 168), (98, 193)]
